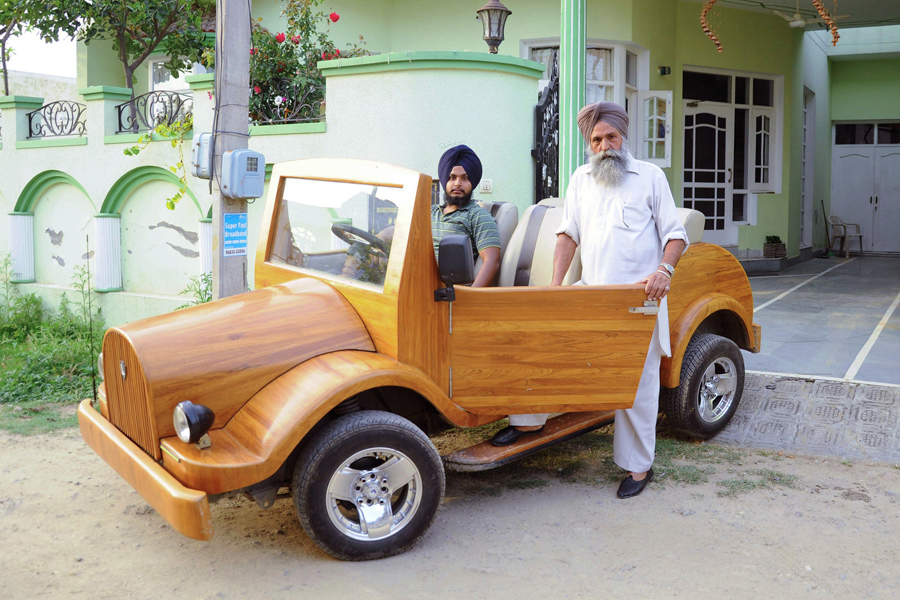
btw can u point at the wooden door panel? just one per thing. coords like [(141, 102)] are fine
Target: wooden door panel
[(533, 349)]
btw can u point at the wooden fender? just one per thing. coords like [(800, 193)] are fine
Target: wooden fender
[(682, 330), (261, 436)]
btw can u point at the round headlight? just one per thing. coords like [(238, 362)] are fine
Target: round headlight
[(192, 421), (100, 365)]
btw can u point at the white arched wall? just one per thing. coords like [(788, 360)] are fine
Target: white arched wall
[(160, 247), (63, 217)]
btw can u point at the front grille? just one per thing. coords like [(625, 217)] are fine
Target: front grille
[(129, 406)]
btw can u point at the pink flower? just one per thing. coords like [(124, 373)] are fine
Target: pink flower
[(296, 39), (256, 89), (337, 52), (334, 17), (279, 37), (252, 51)]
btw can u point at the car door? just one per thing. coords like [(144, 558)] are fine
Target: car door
[(548, 349)]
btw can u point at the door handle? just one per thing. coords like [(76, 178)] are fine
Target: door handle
[(870, 199), (876, 200), (729, 175), (650, 307)]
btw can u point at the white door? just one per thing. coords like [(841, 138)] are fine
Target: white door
[(709, 169), (852, 193), (807, 168), (886, 237)]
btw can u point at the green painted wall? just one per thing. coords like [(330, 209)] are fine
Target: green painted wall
[(865, 90), (754, 42)]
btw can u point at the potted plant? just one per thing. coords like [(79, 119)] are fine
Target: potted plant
[(774, 247)]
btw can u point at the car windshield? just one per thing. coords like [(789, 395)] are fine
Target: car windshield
[(340, 228)]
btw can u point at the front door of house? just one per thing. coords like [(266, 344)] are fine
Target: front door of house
[(709, 168)]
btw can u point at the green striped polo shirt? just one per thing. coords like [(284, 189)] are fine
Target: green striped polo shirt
[(471, 220)]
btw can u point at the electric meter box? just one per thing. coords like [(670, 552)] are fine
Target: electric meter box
[(243, 174), (201, 156)]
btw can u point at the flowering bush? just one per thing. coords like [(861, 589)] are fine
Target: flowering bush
[(286, 84)]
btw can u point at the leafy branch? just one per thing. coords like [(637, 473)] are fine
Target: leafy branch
[(176, 132)]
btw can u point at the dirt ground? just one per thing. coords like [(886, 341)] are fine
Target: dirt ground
[(71, 528)]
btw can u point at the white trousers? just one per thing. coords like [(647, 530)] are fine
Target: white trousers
[(634, 442)]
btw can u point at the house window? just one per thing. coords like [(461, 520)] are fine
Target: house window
[(655, 128), (600, 77), (866, 134), (161, 79)]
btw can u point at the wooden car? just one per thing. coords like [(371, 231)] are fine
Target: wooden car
[(329, 377)]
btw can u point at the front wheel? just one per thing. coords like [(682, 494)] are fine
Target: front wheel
[(368, 486), (712, 380)]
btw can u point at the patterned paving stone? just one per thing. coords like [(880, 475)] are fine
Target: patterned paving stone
[(783, 406), (817, 438), (824, 417), (772, 431), (828, 412), (883, 396), (832, 389)]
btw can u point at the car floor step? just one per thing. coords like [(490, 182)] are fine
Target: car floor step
[(484, 455)]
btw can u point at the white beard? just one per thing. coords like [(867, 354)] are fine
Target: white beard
[(608, 167)]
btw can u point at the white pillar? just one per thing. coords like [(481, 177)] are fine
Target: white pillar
[(21, 247), (206, 257), (108, 252)]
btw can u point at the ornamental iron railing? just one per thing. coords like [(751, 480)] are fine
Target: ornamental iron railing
[(546, 137), (284, 101), (149, 110), (57, 119)]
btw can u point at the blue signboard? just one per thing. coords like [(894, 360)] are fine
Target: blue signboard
[(236, 226)]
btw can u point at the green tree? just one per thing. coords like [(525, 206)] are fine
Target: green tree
[(18, 15), (138, 28)]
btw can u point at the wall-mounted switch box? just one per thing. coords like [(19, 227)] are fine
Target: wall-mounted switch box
[(201, 156), (243, 174), (487, 186)]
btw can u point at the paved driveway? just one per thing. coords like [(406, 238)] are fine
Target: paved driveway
[(827, 381), (834, 318)]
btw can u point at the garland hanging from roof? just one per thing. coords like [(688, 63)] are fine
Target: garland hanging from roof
[(710, 30)]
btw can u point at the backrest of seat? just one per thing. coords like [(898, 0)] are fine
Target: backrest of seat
[(694, 222), (506, 215), (535, 237)]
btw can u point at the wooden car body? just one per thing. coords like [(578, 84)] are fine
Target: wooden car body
[(275, 363)]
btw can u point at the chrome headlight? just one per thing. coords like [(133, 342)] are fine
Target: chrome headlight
[(192, 421), (100, 365)]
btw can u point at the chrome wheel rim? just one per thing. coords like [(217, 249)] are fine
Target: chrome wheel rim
[(717, 390), (374, 494)]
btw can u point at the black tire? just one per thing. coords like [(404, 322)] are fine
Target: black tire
[(351, 457), (700, 406)]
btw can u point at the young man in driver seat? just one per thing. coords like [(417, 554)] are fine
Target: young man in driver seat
[(460, 171)]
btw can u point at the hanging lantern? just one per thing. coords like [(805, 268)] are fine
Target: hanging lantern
[(493, 19)]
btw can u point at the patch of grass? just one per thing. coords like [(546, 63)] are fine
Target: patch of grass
[(46, 357), (689, 474), (33, 417), (527, 484), (759, 479)]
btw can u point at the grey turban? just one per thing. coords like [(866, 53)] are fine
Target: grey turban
[(610, 112)]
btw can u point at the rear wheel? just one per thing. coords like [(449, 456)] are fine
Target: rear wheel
[(368, 486), (712, 380)]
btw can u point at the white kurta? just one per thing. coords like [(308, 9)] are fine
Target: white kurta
[(622, 232)]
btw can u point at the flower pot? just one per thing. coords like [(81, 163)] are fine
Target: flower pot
[(774, 250)]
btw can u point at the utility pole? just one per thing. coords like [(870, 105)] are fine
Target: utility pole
[(230, 132)]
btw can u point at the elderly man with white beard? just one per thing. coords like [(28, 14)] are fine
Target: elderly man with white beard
[(622, 214)]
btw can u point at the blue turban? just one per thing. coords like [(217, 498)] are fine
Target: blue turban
[(459, 156)]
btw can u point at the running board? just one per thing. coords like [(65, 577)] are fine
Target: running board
[(484, 456)]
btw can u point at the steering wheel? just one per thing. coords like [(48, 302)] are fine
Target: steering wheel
[(352, 235)]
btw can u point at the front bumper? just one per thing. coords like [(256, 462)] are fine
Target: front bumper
[(185, 509)]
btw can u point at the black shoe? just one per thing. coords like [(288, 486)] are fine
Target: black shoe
[(630, 488), (510, 435)]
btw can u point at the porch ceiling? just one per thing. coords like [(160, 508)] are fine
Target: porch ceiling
[(862, 13)]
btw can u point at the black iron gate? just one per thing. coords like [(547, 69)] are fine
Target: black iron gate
[(546, 137)]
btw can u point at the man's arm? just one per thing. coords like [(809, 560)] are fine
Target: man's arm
[(490, 265), (562, 257), (657, 284)]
